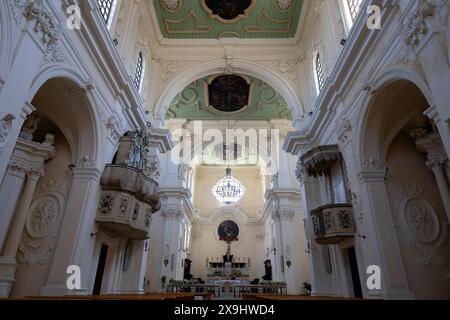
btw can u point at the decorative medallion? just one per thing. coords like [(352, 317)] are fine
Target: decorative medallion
[(284, 4), (228, 9), (228, 231), (171, 4), (43, 217), (106, 204), (345, 220), (229, 93), (422, 220)]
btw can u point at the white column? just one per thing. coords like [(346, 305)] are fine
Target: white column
[(289, 235), (171, 250), (9, 194), (20, 215), (438, 170), (8, 263), (437, 161), (381, 247)]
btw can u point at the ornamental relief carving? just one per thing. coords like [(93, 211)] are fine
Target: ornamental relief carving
[(34, 252), (171, 5), (43, 221), (284, 4), (5, 128), (43, 216), (45, 24), (106, 204), (415, 26), (170, 70), (344, 130), (288, 68), (17, 8), (421, 220), (422, 225)]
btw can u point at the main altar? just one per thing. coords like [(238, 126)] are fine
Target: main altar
[(228, 268)]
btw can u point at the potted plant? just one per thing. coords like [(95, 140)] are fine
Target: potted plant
[(307, 288)]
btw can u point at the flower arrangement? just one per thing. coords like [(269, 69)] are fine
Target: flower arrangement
[(182, 282), (272, 283), (236, 272)]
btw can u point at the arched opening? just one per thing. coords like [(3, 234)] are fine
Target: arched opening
[(56, 138), (239, 67), (404, 143)]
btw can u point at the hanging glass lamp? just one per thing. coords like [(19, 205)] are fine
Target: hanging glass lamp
[(228, 190)]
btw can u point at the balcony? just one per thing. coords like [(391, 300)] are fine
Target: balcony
[(130, 194), (127, 202), (333, 223)]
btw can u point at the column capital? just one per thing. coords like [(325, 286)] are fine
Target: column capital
[(436, 163), (283, 213), (172, 212), (17, 168), (35, 173)]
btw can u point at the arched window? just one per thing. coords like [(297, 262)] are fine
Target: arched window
[(351, 11), (318, 68), (139, 70), (106, 9)]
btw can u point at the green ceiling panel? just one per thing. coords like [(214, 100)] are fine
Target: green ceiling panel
[(191, 19), (264, 104)]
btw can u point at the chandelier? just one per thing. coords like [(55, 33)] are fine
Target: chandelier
[(228, 190)]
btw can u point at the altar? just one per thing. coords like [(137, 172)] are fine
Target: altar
[(228, 270)]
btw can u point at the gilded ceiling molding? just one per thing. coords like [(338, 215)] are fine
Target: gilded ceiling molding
[(265, 16), (183, 22), (246, 14)]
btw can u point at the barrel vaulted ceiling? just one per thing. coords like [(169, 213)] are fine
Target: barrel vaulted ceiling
[(210, 19), (193, 103)]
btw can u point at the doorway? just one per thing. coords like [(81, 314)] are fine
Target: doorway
[(100, 270), (357, 289)]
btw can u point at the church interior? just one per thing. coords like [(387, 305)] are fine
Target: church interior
[(225, 149)]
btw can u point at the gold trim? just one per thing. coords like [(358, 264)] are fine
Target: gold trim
[(221, 35), (163, 6), (239, 17), (257, 27), (191, 13)]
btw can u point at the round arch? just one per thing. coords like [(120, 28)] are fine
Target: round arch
[(240, 66), (384, 90), (78, 121)]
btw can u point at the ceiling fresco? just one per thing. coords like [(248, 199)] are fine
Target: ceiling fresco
[(210, 19), (193, 102)]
